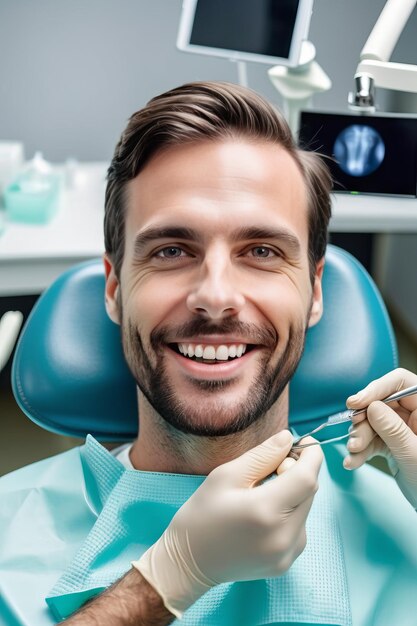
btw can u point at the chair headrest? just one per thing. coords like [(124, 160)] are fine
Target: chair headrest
[(69, 374)]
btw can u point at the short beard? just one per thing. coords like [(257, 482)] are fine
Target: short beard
[(269, 381)]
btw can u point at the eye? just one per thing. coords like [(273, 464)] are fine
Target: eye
[(262, 252), (171, 252)]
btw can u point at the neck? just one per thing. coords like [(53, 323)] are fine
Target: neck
[(161, 448)]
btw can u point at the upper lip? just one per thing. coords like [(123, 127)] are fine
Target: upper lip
[(215, 340)]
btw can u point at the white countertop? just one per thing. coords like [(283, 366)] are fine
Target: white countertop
[(373, 214), (32, 256)]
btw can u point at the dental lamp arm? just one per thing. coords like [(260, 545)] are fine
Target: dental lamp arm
[(374, 68), (298, 84), (387, 30)]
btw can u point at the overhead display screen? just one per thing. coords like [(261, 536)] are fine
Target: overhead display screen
[(369, 153), (268, 31)]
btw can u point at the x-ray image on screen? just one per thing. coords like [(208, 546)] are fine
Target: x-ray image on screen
[(369, 154), (359, 150)]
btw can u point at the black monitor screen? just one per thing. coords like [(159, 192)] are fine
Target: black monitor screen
[(256, 26), (369, 153)]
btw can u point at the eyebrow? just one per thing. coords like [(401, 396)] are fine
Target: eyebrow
[(262, 233), (241, 234), (170, 232)]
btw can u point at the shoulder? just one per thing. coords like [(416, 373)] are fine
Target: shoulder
[(47, 501), (44, 519), (42, 473)]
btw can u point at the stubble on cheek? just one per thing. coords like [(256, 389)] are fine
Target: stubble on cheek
[(215, 414), (136, 356), (212, 416)]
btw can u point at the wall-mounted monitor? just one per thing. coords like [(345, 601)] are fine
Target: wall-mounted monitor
[(368, 153), (264, 31)]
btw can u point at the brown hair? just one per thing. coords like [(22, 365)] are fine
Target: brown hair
[(200, 112)]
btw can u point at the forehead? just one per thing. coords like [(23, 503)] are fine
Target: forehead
[(216, 186)]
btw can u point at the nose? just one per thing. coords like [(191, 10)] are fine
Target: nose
[(216, 293)]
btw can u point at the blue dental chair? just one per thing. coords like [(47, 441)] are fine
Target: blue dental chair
[(69, 375)]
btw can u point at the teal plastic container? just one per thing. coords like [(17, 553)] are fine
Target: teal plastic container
[(33, 197)]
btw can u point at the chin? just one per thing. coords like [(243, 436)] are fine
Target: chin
[(210, 417)]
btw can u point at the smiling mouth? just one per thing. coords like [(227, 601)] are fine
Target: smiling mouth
[(210, 354)]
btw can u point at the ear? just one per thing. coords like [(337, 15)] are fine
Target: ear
[(112, 290), (317, 299)]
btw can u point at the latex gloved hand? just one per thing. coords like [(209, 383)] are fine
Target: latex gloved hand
[(235, 527), (387, 430)]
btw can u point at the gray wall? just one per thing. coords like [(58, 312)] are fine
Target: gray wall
[(71, 72)]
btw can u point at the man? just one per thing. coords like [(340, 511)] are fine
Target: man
[(215, 233)]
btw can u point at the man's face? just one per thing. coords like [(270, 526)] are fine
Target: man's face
[(215, 294)]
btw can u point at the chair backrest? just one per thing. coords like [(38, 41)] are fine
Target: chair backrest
[(69, 375)]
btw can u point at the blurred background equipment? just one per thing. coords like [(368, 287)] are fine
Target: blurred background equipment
[(10, 324), (263, 31), (373, 154), (375, 68), (32, 196)]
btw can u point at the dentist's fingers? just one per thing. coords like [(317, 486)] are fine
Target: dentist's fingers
[(357, 459), (412, 421), (363, 444), (299, 482), (256, 464), (383, 387), (361, 436), (393, 431), (384, 432), (287, 464)]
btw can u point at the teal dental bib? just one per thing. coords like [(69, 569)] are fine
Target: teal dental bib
[(133, 508)]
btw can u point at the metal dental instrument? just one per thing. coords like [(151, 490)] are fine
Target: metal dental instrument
[(346, 416)]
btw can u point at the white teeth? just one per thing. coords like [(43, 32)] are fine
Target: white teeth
[(232, 351), (222, 353), (209, 353)]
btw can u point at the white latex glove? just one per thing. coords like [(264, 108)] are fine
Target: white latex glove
[(387, 430), (235, 527)]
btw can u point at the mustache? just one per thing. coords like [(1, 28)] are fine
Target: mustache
[(265, 335)]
